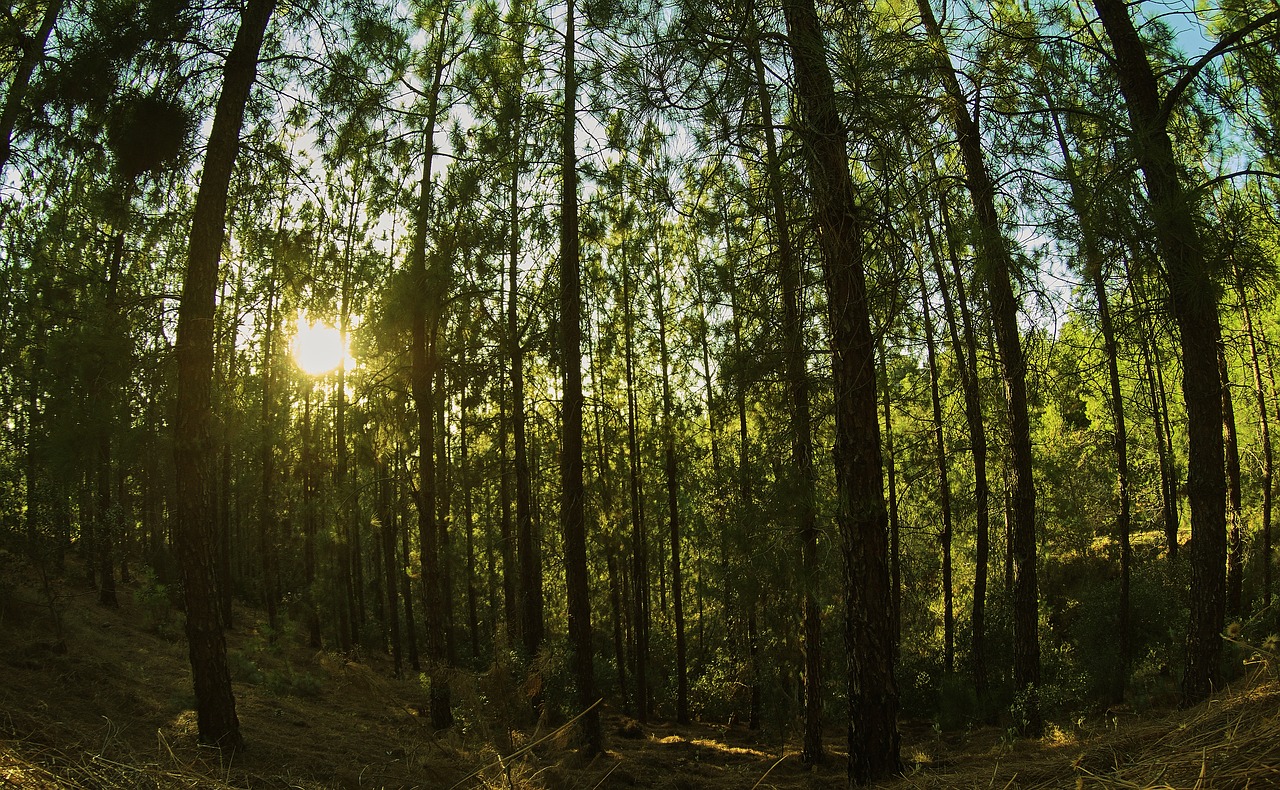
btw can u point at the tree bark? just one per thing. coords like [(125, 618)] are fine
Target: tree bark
[(572, 493), (1231, 447), (193, 435), (872, 690), (1194, 299)]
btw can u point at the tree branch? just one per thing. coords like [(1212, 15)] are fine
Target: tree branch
[(1226, 43)]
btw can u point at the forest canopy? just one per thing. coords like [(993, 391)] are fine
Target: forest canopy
[(814, 365)]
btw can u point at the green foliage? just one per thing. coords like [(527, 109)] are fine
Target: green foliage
[(243, 668), (156, 602), (288, 681)]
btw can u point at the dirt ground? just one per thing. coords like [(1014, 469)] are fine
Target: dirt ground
[(92, 697)]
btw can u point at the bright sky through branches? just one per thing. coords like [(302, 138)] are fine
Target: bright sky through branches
[(318, 347)]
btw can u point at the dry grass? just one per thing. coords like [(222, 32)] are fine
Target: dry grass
[(112, 708)]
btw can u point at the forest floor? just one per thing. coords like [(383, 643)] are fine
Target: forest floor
[(92, 697)]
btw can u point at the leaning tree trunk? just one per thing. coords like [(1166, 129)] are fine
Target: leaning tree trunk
[(998, 266), (193, 429), (869, 639), (1193, 297)]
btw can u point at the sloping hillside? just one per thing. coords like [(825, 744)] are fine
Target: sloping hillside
[(99, 698)]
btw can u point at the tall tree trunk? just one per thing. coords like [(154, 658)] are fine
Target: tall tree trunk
[(468, 505), (1092, 261), (671, 470), (966, 353), (392, 569), (944, 481), (999, 271), (801, 423), (530, 594), (1193, 296), (266, 501), (572, 493), (1231, 447), (895, 526), (1159, 421), (309, 528), (1264, 435), (108, 522), (745, 497), (406, 592), (216, 719), (639, 538), (444, 516), (427, 309), (872, 689), (1120, 445)]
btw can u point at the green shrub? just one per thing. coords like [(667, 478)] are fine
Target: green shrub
[(153, 599), (243, 668)]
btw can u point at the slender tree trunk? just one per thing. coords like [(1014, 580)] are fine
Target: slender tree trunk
[(639, 539), (392, 568), (671, 470), (744, 502), (1194, 301), (1120, 444), (944, 481), (895, 526), (966, 353), (1092, 260), (872, 689), (309, 528), (572, 492), (1231, 447), (1264, 431), (406, 592), (999, 272), (510, 606), (468, 508), (1159, 419), (530, 594), (216, 719), (797, 373), (444, 517)]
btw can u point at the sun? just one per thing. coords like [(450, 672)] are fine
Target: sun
[(318, 347)]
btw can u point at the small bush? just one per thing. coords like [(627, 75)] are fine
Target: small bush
[(243, 668), (297, 684), (153, 599)]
